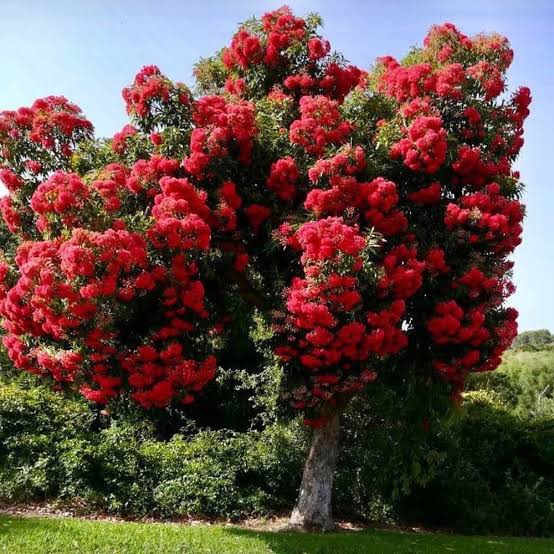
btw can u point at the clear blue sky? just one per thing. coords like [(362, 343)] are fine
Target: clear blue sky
[(88, 51)]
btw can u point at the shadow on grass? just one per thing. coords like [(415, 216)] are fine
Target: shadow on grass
[(391, 542)]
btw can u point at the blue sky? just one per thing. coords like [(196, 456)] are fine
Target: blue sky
[(88, 51)]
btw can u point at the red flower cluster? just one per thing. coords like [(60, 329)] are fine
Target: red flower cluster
[(430, 194), (386, 336), (61, 198), (282, 29), (55, 119), (488, 219), (222, 129), (10, 214), (52, 123), (111, 186), (318, 48), (476, 282), (435, 261), (349, 161), (489, 77), (159, 377), (246, 50), (450, 324), (283, 177), (335, 82), (470, 169), (89, 275), (403, 273), (378, 201), (319, 126), (449, 81), (145, 175), (324, 344), (181, 217), (10, 179), (333, 350), (119, 141), (256, 215), (404, 83), (149, 85), (339, 172), (329, 240), (424, 149)]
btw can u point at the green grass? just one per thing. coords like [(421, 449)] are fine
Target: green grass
[(36, 535)]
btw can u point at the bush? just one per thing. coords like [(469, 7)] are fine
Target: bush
[(36, 427), (226, 474), (485, 469), (489, 468), (387, 449), (497, 476), (57, 448)]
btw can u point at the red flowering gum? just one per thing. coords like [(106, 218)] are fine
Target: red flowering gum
[(43, 137), (282, 29), (318, 48), (119, 141), (246, 49), (369, 216), (62, 197), (223, 129), (488, 219), (430, 194), (378, 201)]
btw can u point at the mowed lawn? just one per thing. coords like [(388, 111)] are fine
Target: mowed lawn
[(38, 535)]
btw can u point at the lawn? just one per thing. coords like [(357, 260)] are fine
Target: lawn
[(34, 535)]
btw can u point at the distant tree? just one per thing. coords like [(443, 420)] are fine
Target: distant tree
[(533, 340), (532, 373), (364, 219)]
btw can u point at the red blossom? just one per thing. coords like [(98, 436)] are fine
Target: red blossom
[(424, 148)]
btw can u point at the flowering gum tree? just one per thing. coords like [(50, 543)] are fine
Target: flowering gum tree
[(367, 217)]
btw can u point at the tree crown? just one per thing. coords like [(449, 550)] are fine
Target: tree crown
[(366, 218)]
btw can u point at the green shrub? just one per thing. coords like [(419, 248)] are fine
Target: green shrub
[(53, 447), (36, 424), (388, 446), (498, 383), (229, 474), (533, 340), (497, 476)]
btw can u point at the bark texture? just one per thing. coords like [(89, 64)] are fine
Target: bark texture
[(313, 509)]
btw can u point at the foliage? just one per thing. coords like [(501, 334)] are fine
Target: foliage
[(54, 447), (498, 474), (36, 426), (388, 448)]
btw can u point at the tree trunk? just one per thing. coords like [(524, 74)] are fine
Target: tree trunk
[(313, 508)]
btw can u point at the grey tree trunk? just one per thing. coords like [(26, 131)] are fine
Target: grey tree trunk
[(313, 508)]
